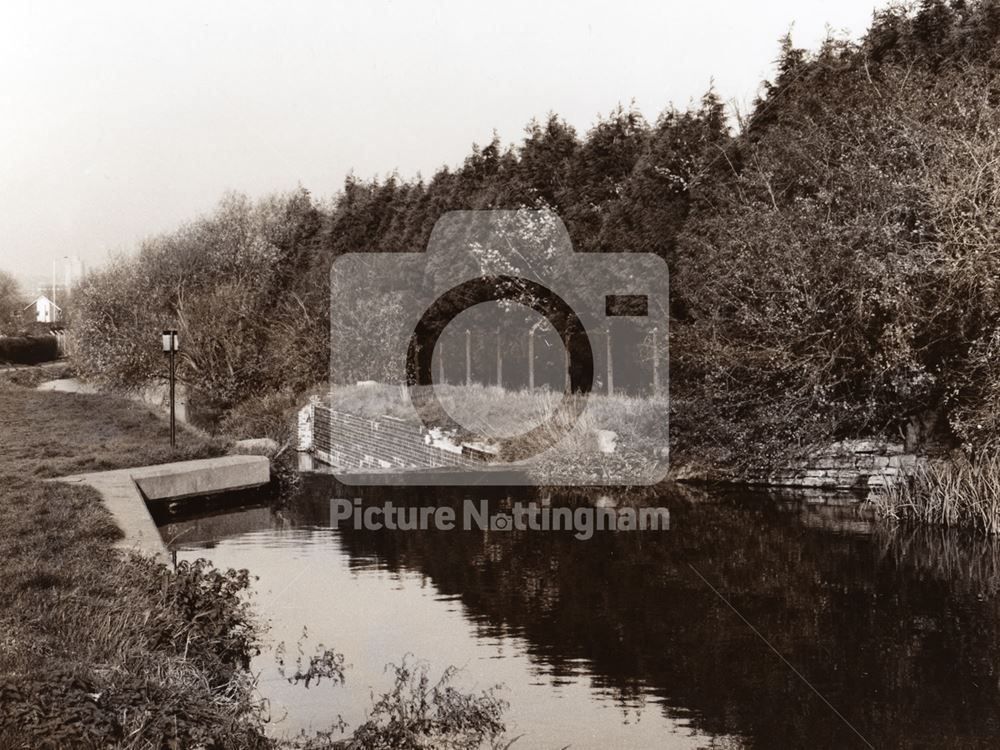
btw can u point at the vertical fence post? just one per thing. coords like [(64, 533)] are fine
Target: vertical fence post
[(531, 359), (468, 357), (567, 383), (440, 350), (656, 363), (499, 360), (611, 371)]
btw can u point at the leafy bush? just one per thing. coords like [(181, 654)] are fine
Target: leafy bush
[(233, 284), (272, 416), (838, 269)]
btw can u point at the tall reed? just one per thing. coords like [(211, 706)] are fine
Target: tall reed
[(962, 492)]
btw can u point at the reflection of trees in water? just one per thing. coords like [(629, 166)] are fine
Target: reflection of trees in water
[(969, 562), (907, 657)]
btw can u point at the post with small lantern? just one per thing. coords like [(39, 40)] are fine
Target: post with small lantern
[(171, 345)]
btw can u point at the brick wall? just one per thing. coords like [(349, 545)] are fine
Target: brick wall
[(347, 442)]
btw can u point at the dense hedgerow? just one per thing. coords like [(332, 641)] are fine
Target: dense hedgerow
[(833, 263)]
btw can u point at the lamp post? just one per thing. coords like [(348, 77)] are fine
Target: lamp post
[(171, 344)]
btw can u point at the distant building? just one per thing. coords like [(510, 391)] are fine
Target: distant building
[(46, 311)]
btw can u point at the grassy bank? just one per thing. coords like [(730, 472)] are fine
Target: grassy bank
[(104, 651), (98, 650), (49, 434)]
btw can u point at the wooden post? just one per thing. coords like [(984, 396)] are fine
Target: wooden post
[(499, 361), (468, 357), (567, 383), (611, 372), (531, 359), (440, 350), (656, 364)]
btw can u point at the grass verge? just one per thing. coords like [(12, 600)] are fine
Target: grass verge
[(100, 650), (51, 434)]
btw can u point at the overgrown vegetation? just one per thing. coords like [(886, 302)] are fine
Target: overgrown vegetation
[(839, 270), (111, 652), (964, 493), (417, 709), (833, 261), (11, 303)]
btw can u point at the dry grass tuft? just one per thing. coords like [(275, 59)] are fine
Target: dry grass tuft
[(959, 493)]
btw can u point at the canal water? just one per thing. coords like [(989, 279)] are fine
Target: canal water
[(755, 621)]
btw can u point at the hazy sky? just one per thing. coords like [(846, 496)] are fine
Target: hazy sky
[(119, 120)]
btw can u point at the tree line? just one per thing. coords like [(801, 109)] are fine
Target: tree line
[(832, 257)]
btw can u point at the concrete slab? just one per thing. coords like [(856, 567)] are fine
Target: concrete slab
[(125, 492), (202, 477), (121, 496)]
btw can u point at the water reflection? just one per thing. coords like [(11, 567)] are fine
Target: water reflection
[(617, 642)]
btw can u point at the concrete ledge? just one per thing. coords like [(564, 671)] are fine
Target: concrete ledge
[(203, 477), (121, 493)]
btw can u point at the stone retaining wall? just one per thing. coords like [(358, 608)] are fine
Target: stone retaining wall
[(846, 465)]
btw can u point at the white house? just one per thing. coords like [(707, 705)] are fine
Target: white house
[(46, 311)]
